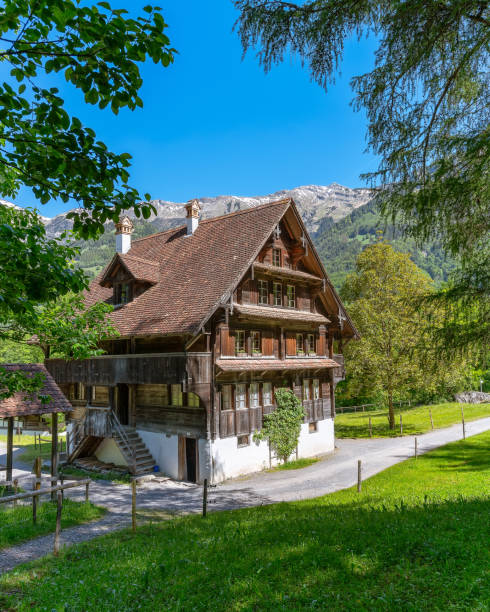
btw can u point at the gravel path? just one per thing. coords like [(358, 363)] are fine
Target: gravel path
[(334, 472)]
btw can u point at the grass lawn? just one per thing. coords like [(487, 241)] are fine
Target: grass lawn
[(29, 450), (415, 420), (296, 464), (16, 523), (74, 472), (416, 538)]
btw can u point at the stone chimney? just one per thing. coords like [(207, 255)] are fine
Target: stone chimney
[(124, 229), (192, 207)]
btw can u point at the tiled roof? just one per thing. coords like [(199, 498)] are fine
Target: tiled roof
[(141, 269), (311, 363), (274, 312), (21, 405), (195, 272)]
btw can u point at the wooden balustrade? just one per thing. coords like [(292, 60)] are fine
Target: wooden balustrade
[(240, 422)]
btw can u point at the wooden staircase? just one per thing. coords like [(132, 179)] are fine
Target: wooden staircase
[(134, 450), (90, 432)]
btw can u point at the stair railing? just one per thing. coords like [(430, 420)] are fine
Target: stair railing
[(76, 437), (118, 429)]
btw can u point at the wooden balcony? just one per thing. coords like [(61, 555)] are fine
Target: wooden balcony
[(240, 422), (155, 368)]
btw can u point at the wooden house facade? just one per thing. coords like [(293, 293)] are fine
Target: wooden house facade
[(213, 317)]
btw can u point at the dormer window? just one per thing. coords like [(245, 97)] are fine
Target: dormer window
[(122, 294)]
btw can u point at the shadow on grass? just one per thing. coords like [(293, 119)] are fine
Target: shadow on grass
[(314, 555), (468, 456)]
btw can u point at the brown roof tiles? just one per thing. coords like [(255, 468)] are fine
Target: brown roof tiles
[(21, 404), (196, 273), (311, 363)]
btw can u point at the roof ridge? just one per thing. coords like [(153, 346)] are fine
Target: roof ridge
[(211, 219)]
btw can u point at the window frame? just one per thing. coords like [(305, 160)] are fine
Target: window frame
[(316, 394), (291, 298), (229, 392), (311, 340), (240, 333), (254, 395), (306, 389), (298, 344), (267, 393), (238, 397), (277, 296), (243, 443), (276, 252), (254, 335), (263, 284)]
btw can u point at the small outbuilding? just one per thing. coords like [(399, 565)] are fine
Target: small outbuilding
[(48, 400)]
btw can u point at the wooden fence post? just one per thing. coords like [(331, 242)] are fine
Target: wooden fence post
[(370, 428), (37, 471), (205, 498), (62, 480), (415, 447), (58, 524), (133, 505), (462, 420), (86, 491), (359, 476), (16, 488), (431, 421), (34, 505), (401, 425)]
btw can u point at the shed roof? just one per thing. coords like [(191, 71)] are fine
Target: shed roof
[(237, 365), (22, 404)]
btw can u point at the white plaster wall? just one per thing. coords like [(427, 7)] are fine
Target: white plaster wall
[(108, 452), (317, 443), (164, 448), (230, 461)]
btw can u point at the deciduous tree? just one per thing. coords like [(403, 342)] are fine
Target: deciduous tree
[(426, 102)]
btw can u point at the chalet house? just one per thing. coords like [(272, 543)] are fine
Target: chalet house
[(213, 317)]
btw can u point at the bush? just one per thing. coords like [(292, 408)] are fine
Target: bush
[(282, 427)]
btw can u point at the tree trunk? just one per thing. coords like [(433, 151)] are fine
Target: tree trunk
[(391, 411)]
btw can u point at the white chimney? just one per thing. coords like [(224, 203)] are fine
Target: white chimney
[(192, 207), (124, 229)]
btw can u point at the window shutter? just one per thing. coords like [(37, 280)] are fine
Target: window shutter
[(290, 343), (267, 342), (227, 342)]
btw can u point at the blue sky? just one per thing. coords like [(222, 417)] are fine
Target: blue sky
[(213, 124)]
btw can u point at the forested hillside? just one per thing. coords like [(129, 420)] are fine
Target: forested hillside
[(340, 243)]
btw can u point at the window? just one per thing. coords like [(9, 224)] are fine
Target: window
[(276, 257), (254, 395), (193, 400), (240, 342), (316, 389), (291, 296), (306, 389), (240, 397), (79, 391), (176, 395), (263, 292), (300, 347), (256, 344), (311, 344), (226, 403), (267, 394), (243, 441), (312, 427), (277, 290), (122, 293)]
